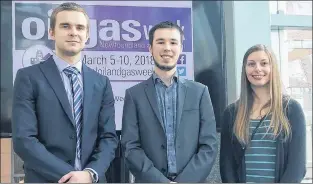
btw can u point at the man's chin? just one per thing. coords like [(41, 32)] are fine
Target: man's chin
[(72, 52), (164, 67)]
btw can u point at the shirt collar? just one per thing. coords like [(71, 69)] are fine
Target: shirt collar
[(61, 64), (156, 78)]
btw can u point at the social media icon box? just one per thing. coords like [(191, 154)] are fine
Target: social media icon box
[(181, 71), (182, 59)]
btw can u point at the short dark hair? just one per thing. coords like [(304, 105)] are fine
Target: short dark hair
[(68, 6), (162, 25)]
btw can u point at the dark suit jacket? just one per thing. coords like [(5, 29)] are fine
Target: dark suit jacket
[(144, 139), (43, 127)]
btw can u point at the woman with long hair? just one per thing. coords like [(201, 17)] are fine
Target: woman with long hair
[(263, 133)]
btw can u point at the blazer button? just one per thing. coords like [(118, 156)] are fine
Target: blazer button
[(163, 170), (162, 146), (72, 136), (69, 161)]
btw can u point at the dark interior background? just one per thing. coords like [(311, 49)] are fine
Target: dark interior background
[(6, 67), (209, 52)]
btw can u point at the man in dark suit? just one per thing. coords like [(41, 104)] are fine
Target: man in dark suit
[(63, 112), (168, 128)]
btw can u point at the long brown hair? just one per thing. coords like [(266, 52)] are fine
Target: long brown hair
[(279, 122)]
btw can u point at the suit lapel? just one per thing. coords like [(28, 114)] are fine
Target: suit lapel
[(52, 74), (151, 94), (88, 80), (181, 93), (88, 91)]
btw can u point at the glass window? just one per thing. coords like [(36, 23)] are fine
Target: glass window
[(293, 49), (273, 7), (291, 7)]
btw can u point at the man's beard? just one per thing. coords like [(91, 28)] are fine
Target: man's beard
[(163, 67)]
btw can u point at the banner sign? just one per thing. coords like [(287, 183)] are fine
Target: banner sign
[(118, 46)]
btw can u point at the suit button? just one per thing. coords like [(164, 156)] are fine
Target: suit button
[(162, 146), (163, 170), (69, 161), (72, 136)]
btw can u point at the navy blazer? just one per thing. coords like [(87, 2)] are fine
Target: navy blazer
[(43, 128), (144, 138)]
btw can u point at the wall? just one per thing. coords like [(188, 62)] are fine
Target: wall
[(5, 160), (246, 24)]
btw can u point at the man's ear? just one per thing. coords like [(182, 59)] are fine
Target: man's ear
[(51, 34), (150, 49), (87, 36), (181, 48)]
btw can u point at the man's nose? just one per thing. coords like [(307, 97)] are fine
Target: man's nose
[(73, 32), (167, 46)]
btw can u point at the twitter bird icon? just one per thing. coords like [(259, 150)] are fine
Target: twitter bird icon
[(181, 71)]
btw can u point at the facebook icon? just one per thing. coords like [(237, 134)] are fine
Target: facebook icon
[(182, 59)]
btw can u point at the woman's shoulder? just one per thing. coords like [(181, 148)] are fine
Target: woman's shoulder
[(231, 108), (230, 113), (291, 104), (294, 113)]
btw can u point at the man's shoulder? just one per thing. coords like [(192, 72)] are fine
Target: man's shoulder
[(140, 86), (33, 69), (95, 74), (30, 70), (193, 84)]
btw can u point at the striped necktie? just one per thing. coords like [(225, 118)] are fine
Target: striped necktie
[(77, 92)]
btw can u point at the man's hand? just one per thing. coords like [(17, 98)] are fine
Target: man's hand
[(76, 177)]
